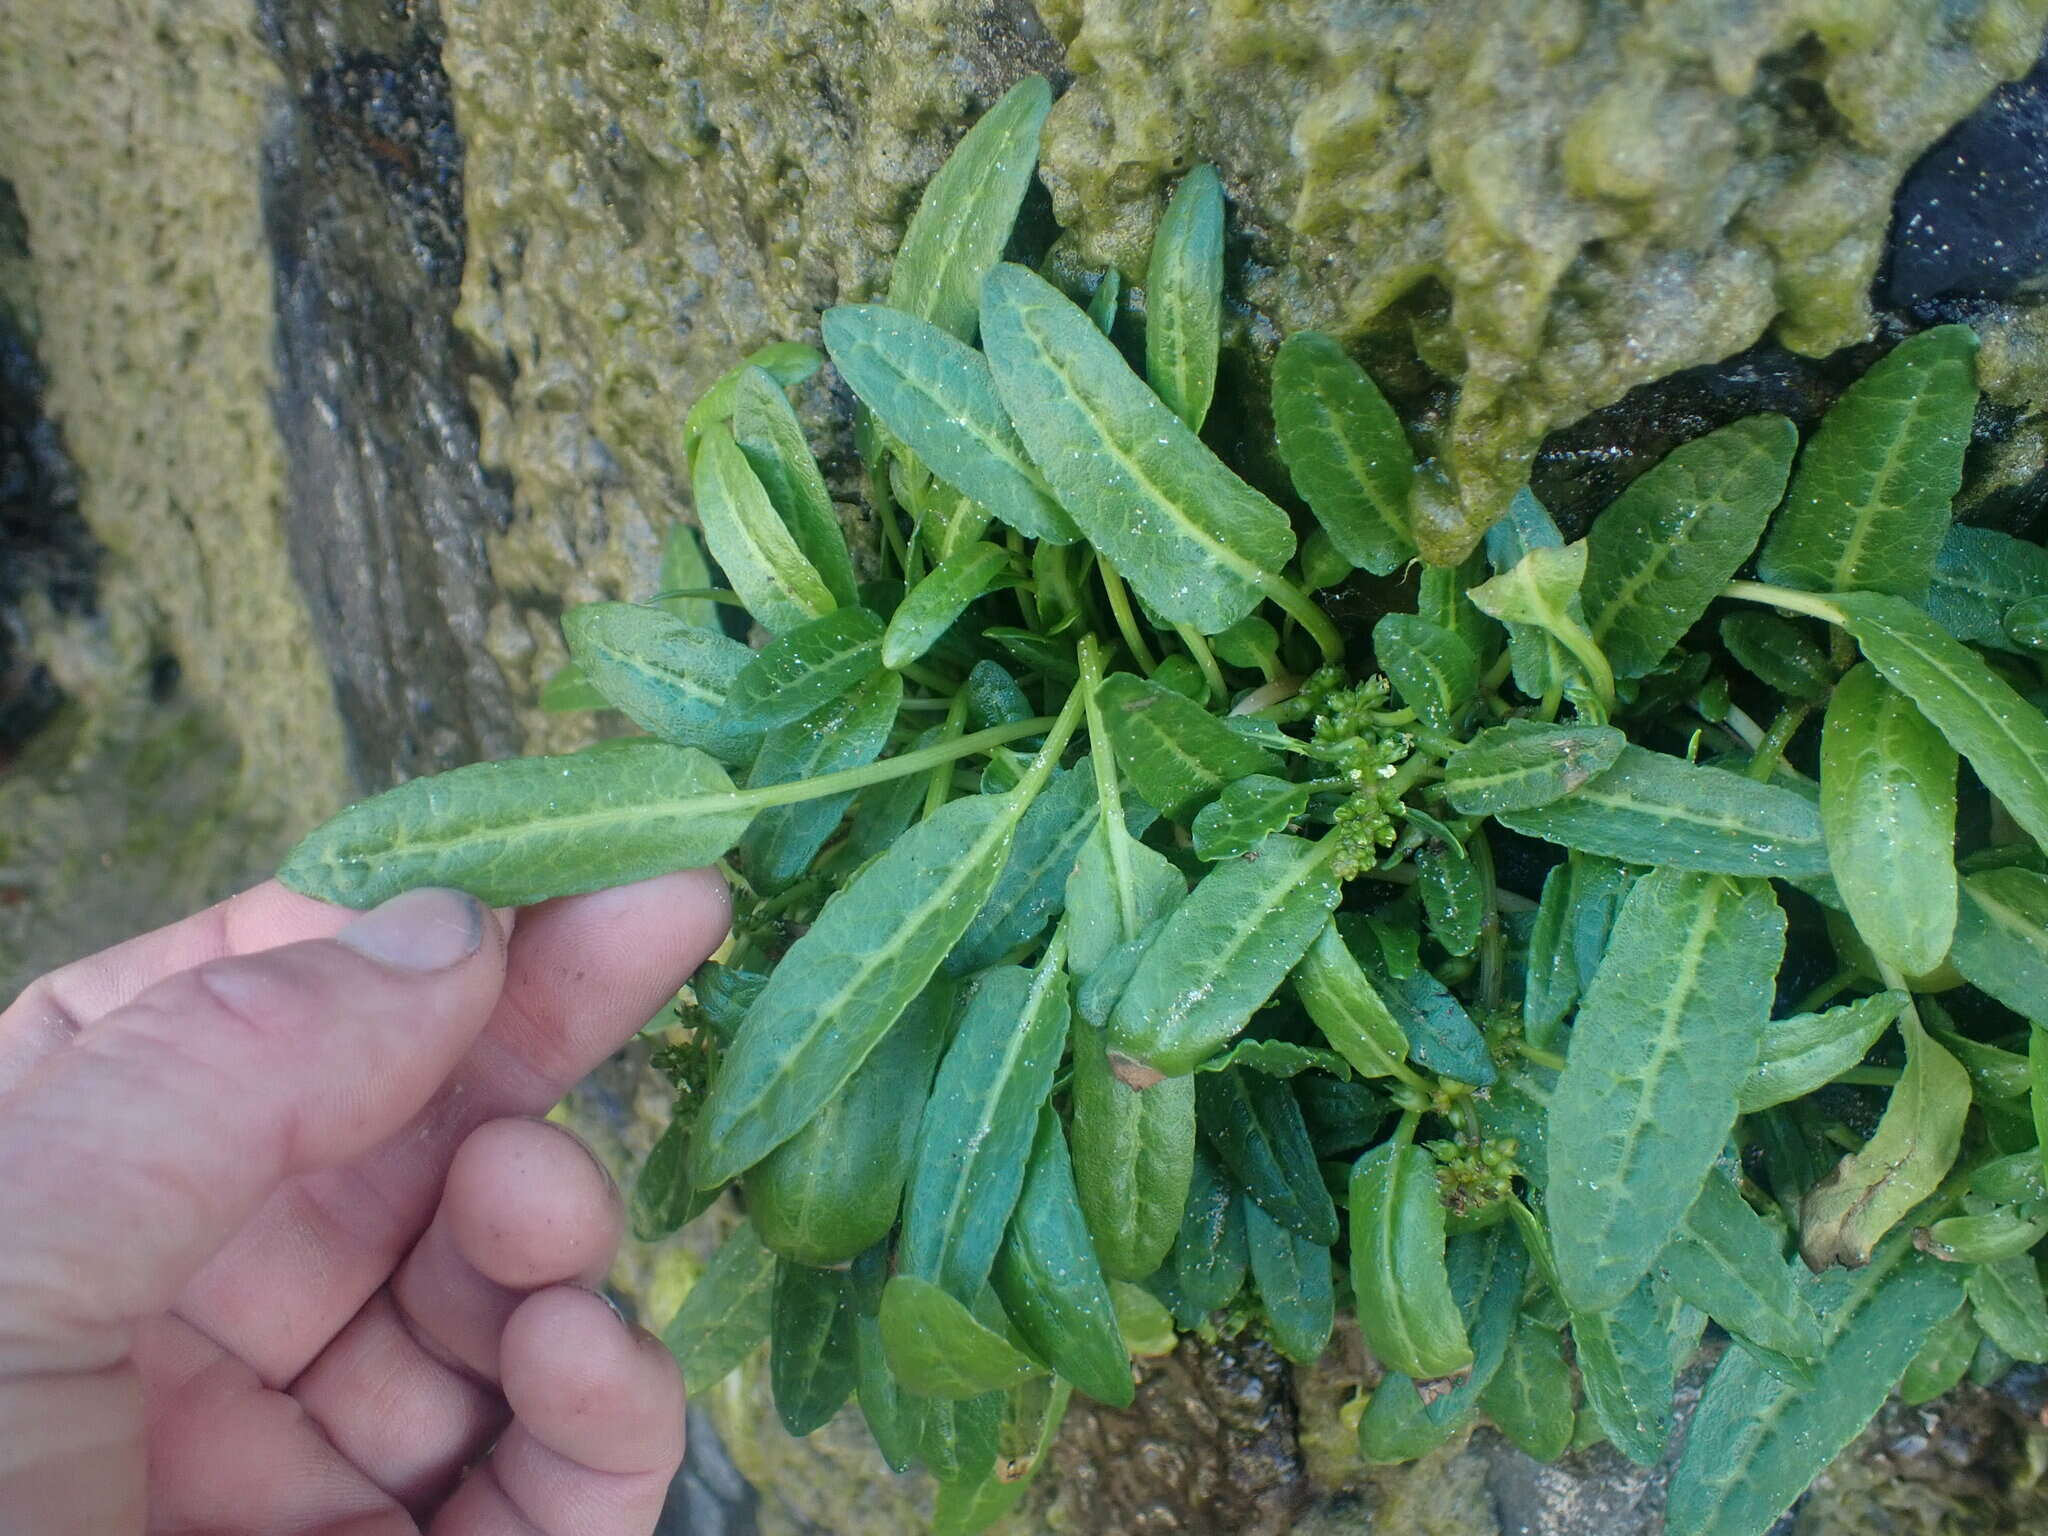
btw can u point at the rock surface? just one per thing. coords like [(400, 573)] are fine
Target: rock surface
[(367, 326)]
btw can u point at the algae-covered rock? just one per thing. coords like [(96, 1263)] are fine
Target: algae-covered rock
[(1551, 200)]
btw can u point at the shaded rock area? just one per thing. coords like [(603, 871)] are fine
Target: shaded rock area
[(366, 327), (388, 506)]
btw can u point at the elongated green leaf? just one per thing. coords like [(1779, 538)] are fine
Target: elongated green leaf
[(1293, 1275), (1942, 1359), (964, 219), (1453, 894), (525, 830), (727, 1313), (1033, 884), (1027, 1433), (1757, 1441), (1247, 811), (2002, 735), (1662, 552), (1486, 1270), (1441, 1034), (1222, 953), (1210, 1256), (1345, 451), (749, 540), (1779, 652), (1653, 809), (1278, 1059), (1343, 1003), (1530, 1397), (664, 1196), (1102, 303), (1256, 1126), (936, 393), (1184, 297), (2002, 938), (1988, 1237), (1629, 1359), (2006, 1299), (804, 669), (1811, 1050), (1403, 1290), (958, 1439), (773, 440), (1668, 1033), (1432, 668), (939, 1348), (1869, 505), (850, 977), (849, 732), (1521, 764), (1050, 1281), (1979, 577), (1194, 540), (1177, 755), (1870, 1191), (1726, 1260), (811, 1364), (1118, 889), (831, 1191), (1134, 1157), (978, 1125), (788, 363), (666, 676), (1550, 987), (1888, 808), (930, 607), (1540, 593)]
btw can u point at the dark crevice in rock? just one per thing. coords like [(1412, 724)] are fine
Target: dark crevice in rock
[(388, 508), (45, 547)]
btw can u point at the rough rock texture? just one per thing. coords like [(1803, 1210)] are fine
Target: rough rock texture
[(388, 508), (132, 138)]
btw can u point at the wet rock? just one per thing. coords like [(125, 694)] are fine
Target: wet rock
[(1972, 215), (389, 508), (1208, 1449)]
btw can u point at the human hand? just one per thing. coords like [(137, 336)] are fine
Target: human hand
[(275, 1253)]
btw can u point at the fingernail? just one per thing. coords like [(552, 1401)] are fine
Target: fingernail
[(618, 1311), (426, 930)]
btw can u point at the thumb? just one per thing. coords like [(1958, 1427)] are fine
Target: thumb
[(128, 1158)]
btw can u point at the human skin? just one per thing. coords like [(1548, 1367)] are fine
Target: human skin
[(282, 1248)]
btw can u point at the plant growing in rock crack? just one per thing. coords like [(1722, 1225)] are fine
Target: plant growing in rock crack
[(1115, 953)]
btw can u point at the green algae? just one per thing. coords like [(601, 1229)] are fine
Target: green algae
[(1555, 200)]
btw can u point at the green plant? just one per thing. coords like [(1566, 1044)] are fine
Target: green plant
[(1110, 947)]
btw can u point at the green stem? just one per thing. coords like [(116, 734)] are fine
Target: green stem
[(850, 779), (1539, 1056), (1587, 653), (1771, 749), (1497, 674), (1205, 659), (925, 677), (1784, 597), (1492, 941), (1872, 1077), (1298, 605), (1826, 992), (1126, 618), (1056, 740), (941, 784), (1108, 797)]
